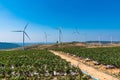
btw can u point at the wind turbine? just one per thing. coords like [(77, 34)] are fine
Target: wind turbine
[(99, 40), (46, 37), (111, 39), (59, 35), (24, 34), (76, 32)]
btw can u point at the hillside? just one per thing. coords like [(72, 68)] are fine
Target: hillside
[(70, 44)]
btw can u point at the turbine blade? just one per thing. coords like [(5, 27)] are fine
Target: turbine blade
[(60, 31), (17, 31), (77, 32), (26, 26), (56, 28), (26, 35), (45, 33), (73, 32)]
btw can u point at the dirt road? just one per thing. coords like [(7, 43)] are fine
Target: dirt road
[(90, 70)]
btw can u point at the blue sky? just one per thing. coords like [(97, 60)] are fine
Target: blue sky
[(93, 18)]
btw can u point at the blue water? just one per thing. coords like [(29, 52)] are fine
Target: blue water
[(34, 43), (9, 45)]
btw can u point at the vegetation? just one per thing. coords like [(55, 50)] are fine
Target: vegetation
[(36, 65), (106, 56)]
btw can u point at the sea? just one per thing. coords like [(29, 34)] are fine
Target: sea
[(11, 45)]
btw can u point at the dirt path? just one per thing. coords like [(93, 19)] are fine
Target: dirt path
[(90, 70)]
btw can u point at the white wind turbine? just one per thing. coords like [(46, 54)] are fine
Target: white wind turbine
[(111, 39), (76, 32), (46, 37), (99, 40), (24, 34), (59, 35)]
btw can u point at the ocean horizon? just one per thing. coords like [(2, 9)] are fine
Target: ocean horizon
[(11, 45)]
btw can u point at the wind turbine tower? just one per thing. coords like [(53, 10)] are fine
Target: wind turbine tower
[(59, 35), (24, 34), (111, 39), (99, 39), (76, 32), (46, 37)]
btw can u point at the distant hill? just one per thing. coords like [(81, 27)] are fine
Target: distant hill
[(5, 45), (103, 42)]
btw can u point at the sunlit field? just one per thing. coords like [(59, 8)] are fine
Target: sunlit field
[(35, 65)]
